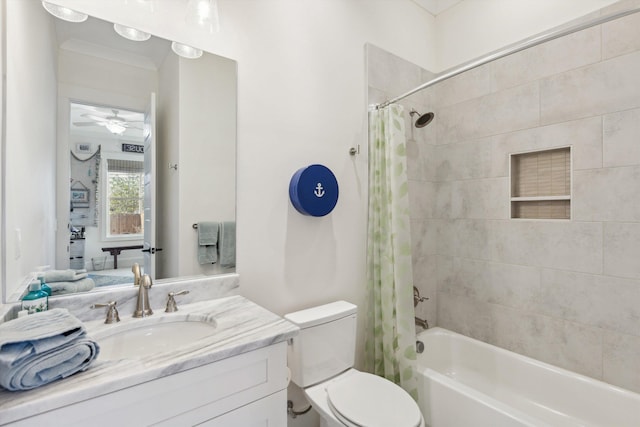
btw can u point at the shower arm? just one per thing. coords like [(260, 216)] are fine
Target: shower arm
[(511, 49)]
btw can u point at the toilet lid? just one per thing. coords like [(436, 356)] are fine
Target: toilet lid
[(371, 401)]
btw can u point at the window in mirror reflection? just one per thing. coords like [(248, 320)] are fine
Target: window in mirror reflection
[(125, 194)]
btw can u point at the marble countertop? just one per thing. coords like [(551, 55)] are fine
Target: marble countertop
[(241, 326)]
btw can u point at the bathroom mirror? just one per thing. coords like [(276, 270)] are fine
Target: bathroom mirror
[(65, 83)]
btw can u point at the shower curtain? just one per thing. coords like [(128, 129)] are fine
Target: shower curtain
[(390, 341)]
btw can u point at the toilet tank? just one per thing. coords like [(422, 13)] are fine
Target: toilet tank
[(326, 344)]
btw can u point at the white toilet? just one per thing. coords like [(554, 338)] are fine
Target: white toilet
[(321, 361)]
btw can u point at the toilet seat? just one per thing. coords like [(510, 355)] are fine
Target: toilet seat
[(367, 400)]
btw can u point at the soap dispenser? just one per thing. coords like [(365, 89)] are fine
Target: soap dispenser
[(44, 287), (36, 300)]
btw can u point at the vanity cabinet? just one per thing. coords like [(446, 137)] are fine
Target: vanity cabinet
[(248, 389)]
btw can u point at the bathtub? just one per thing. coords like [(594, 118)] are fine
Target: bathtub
[(464, 382)]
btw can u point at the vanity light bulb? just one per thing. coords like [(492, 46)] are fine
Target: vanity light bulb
[(131, 33), (203, 13), (64, 13), (186, 51)]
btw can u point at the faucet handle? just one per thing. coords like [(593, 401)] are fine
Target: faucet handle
[(112, 311), (417, 298), (171, 301)]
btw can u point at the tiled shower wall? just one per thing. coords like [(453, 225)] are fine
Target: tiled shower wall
[(565, 292)]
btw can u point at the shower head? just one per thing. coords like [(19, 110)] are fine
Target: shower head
[(423, 119)]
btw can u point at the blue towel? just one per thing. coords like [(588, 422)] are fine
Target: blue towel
[(227, 244), (207, 242), (43, 347)]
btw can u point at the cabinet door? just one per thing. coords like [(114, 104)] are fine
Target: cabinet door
[(270, 411), (188, 397)]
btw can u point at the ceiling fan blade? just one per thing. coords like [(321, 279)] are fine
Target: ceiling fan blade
[(94, 117), (88, 124)]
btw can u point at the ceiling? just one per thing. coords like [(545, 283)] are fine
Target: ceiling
[(436, 7), (96, 37)]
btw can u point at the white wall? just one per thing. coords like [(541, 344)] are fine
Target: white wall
[(31, 68), (207, 177), (168, 201), (200, 113), (473, 28)]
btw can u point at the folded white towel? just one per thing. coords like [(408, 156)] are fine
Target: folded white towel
[(43, 347), (63, 275), (82, 285)]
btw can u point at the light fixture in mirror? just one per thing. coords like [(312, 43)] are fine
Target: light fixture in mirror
[(186, 51), (203, 13), (195, 128), (64, 13), (130, 33)]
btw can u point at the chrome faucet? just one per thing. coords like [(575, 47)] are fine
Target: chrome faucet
[(416, 300), (142, 307), (135, 268)]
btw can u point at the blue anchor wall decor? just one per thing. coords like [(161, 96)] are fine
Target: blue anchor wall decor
[(313, 190)]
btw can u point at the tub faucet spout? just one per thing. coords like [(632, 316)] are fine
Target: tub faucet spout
[(422, 323)]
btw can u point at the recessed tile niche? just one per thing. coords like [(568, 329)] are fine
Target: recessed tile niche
[(541, 184)]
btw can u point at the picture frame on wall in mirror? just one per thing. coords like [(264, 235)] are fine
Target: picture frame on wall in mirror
[(80, 197)]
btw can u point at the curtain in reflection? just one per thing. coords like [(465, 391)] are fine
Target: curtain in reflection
[(390, 342)]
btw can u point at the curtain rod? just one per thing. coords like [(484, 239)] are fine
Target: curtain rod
[(511, 49)]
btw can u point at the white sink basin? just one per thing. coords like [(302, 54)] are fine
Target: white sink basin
[(144, 337)]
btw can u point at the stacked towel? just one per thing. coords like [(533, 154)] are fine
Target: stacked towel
[(64, 275), (227, 244), (68, 281), (43, 347), (207, 242), (82, 285)]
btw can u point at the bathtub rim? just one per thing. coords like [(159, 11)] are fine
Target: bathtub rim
[(437, 330)]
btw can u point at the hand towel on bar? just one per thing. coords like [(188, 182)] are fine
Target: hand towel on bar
[(43, 347), (82, 285), (227, 244), (207, 242), (63, 275)]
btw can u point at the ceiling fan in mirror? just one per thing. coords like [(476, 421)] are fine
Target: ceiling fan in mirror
[(116, 122)]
